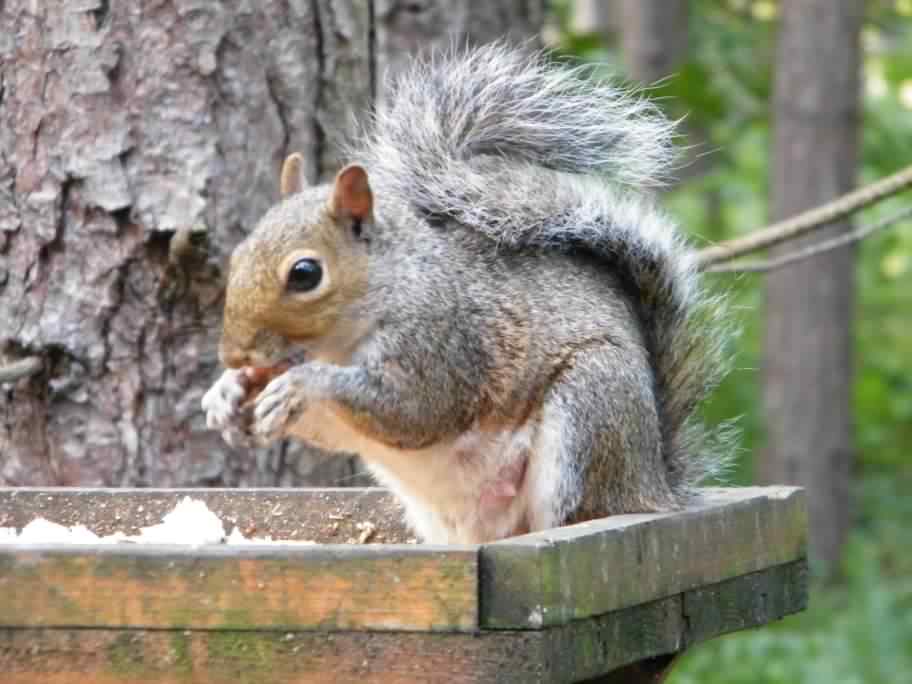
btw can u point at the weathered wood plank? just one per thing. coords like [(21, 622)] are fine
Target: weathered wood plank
[(389, 587), (570, 653), (714, 610), (326, 516), (552, 577), (593, 647), (750, 600), (527, 582), (120, 657)]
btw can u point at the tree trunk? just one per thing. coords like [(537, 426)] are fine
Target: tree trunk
[(408, 27), (139, 142), (596, 16), (654, 41), (808, 365), (653, 37)]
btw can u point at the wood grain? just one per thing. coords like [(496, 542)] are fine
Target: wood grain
[(577, 652), (331, 588), (551, 577)]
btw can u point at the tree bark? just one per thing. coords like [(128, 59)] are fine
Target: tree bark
[(653, 37), (139, 142), (654, 42), (601, 17), (408, 27), (808, 364)]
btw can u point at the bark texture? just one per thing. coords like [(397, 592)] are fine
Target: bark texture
[(654, 42), (808, 365), (653, 37), (139, 142), (407, 27)]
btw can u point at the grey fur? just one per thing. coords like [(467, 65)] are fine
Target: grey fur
[(532, 155), (515, 298)]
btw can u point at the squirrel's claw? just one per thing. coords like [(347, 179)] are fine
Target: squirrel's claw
[(243, 426), (277, 408), (225, 410), (223, 403)]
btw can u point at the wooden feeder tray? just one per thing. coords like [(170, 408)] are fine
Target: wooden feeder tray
[(610, 600)]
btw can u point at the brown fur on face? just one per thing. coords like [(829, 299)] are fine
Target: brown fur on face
[(264, 320)]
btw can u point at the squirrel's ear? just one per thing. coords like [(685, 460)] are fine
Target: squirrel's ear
[(292, 180), (352, 197)]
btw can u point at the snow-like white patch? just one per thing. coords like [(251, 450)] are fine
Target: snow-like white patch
[(189, 523), (41, 531)]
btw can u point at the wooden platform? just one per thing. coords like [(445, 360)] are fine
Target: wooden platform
[(616, 595)]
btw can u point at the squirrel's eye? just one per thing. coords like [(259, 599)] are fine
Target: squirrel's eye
[(305, 275)]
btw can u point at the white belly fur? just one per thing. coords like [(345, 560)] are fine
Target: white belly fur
[(440, 486)]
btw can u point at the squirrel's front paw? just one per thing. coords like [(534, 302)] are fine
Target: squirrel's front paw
[(225, 410), (278, 407), (224, 400)]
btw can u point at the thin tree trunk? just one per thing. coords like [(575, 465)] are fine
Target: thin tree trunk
[(808, 365), (653, 37), (654, 41), (122, 127), (602, 17)]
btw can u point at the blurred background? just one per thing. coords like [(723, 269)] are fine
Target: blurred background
[(139, 142), (786, 105)]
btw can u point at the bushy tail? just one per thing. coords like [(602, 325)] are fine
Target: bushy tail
[(531, 153)]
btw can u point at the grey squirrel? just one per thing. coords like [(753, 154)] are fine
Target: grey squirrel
[(486, 304)]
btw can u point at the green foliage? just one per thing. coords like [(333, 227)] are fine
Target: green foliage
[(859, 630)]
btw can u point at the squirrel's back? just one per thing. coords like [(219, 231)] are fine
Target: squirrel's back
[(533, 155)]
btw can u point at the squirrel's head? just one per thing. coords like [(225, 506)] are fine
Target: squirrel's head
[(292, 281)]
